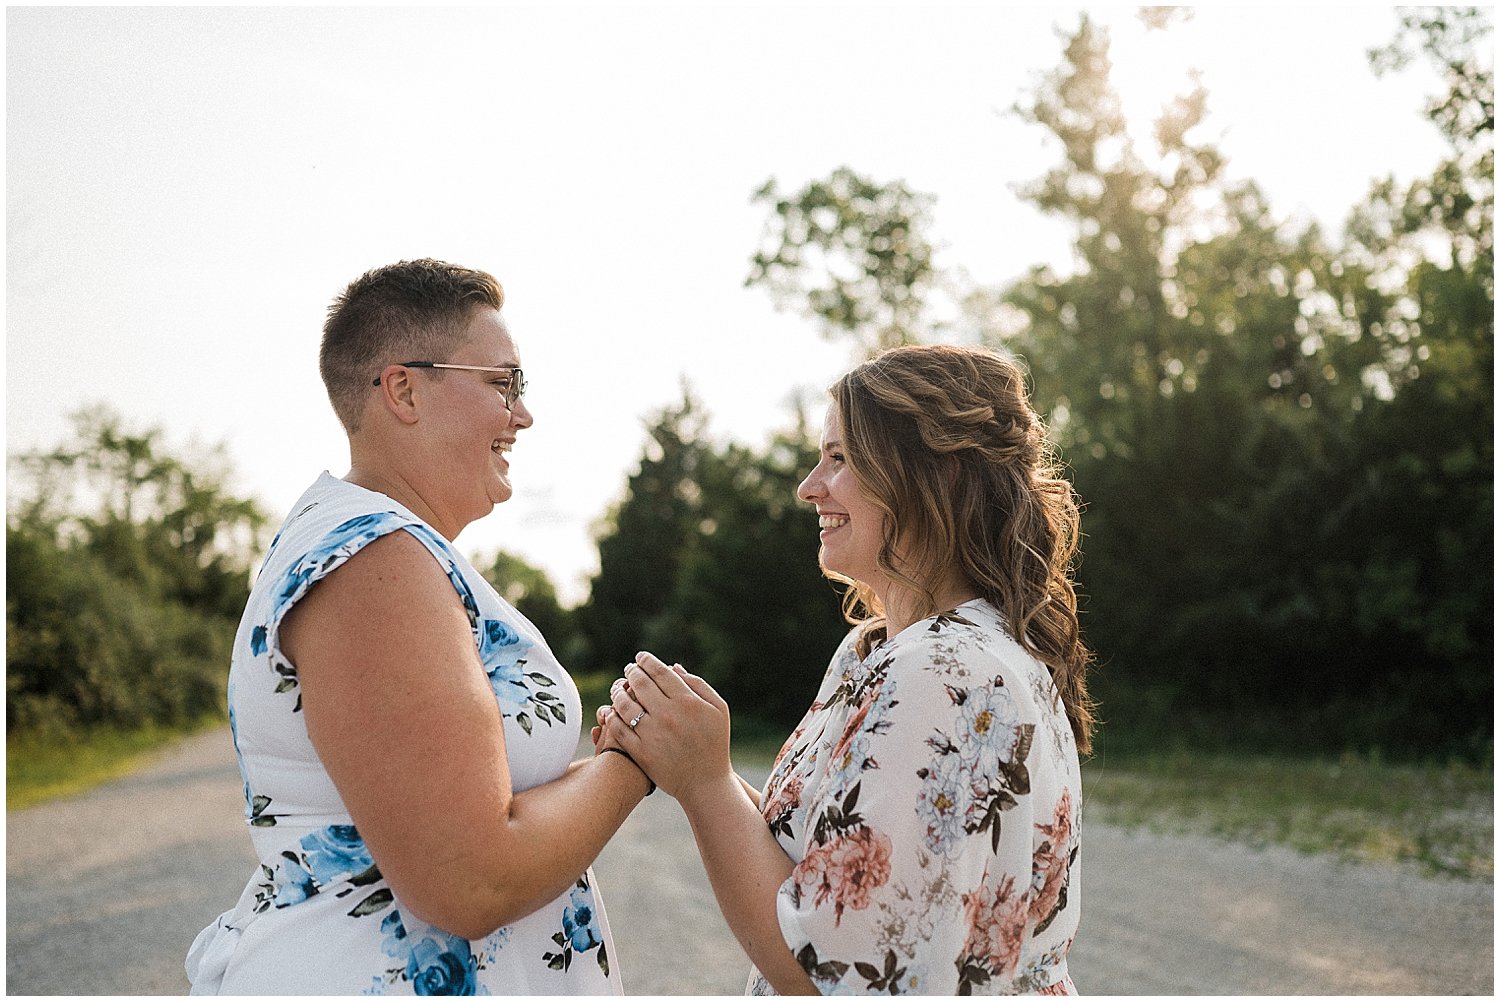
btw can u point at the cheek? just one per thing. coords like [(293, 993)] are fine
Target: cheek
[(852, 496)]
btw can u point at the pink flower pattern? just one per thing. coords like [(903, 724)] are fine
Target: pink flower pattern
[(997, 924), (929, 802), (846, 871), (1052, 861)]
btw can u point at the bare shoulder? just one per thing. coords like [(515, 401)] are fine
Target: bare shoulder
[(393, 587)]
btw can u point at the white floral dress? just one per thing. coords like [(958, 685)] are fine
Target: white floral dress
[(316, 917), (930, 801)]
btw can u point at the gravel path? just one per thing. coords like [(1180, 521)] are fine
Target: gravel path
[(104, 892)]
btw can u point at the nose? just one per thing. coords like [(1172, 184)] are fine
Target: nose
[(520, 414), (811, 487)]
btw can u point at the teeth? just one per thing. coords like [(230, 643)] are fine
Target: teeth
[(832, 521), (500, 446)]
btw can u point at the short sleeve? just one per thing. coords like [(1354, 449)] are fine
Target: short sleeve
[(339, 544), (918, 873)]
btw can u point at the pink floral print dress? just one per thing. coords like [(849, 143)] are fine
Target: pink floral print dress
[(930, 801)]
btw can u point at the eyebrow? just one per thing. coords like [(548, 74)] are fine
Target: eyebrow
[(835, 444)]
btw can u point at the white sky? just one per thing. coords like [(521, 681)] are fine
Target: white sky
[(188, 188)]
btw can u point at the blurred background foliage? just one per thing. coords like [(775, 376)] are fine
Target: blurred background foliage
[(1284, 440), (127, 569)]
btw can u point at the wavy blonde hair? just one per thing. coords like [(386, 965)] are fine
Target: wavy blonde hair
[(944, 441)]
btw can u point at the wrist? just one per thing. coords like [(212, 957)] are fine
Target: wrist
[(710, 793), (650, 784)]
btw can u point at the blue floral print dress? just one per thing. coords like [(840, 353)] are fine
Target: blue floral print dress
[(316, 917), (930, 803)]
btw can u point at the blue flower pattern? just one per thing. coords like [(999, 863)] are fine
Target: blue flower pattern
[(434, 962), (502, 650), (323, 859), (580, 931), (579, 923), (333, 862)]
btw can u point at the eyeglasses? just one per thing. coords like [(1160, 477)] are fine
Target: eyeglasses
[(514, 390)]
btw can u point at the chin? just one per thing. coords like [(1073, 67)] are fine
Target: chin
[(830, 566)]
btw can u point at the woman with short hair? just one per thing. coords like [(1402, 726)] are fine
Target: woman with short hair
[(405, 736), (920, 829)]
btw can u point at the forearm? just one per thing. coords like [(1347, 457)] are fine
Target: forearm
[(746, 867), (550, 835), (750, 791), (566, 823)]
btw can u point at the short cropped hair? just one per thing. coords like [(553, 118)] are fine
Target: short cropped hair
[(409, 311)]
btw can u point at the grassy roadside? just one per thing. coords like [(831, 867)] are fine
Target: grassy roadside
[(1437, 820), (41, 768)]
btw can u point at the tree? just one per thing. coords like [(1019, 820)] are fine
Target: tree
[(1282, 441), (853, 254), (759, 619), (127, 570), (642, 545), (709, 560), (1245, 413)]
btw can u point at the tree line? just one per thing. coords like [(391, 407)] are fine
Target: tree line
[(1283, 441)]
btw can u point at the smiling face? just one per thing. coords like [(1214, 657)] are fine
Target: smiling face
[(852, 524), (472, 430)]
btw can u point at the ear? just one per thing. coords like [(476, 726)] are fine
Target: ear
[(398, 393)]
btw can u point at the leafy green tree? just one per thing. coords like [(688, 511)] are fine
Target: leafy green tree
[(1283, 441), (1255, 422), (127, 570), (759, 619), (852, 254), (709, 560), (643, 543)]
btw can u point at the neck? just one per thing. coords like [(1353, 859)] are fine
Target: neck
[(400, 489), (902, 604)]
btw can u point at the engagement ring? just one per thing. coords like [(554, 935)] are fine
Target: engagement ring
[(635, 720)]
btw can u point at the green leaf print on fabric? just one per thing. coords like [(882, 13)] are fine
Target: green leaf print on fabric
[(258, 816), (372, 904)]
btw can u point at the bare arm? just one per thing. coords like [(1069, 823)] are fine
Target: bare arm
[(750, 791), (401, 713), (683, 744)]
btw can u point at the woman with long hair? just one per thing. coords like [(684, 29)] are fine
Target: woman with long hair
[(920, 830)]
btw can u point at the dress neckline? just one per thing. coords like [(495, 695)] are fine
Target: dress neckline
[(927, 621)]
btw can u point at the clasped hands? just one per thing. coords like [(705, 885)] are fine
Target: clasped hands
[(669, 721)]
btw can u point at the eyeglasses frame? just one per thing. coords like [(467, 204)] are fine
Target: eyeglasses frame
[(517, 377)]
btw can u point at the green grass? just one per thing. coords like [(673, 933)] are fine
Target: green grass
[(1439, 820), (41, 768)]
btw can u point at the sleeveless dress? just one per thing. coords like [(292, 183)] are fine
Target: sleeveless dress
[(930, 801), (316, 917)]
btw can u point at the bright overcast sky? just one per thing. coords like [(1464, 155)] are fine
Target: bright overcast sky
[(189, 187)]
